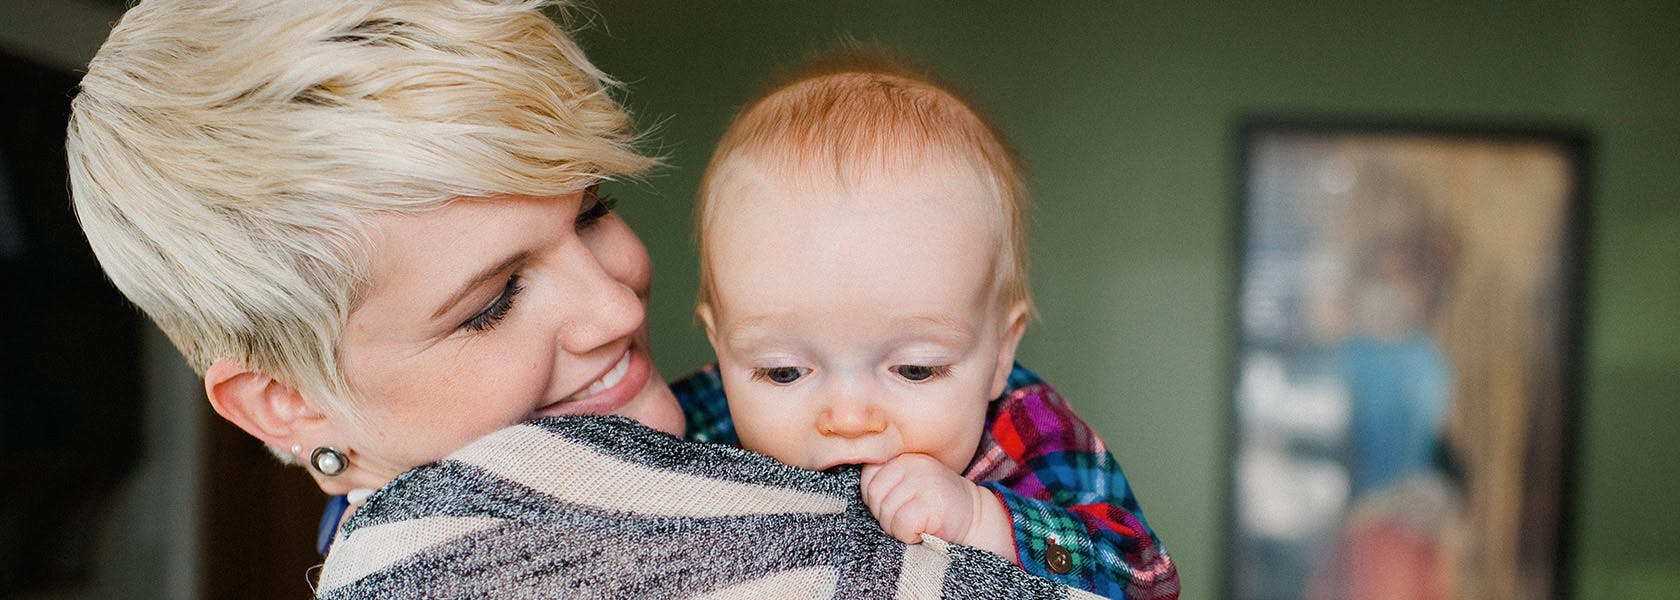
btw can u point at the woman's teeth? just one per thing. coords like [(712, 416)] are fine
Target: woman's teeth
[(611, 378)]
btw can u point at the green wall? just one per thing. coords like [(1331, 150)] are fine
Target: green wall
[(1127, 114)]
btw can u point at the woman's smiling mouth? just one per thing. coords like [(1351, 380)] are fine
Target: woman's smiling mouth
[(609, 393), (607, 380)]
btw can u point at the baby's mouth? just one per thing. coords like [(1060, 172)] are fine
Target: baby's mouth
[(837, 463)]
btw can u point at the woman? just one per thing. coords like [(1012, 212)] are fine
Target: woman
[(350, 216), (372, 227)]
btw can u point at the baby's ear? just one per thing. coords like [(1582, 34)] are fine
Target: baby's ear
[(261, 405), (1014, 324), (703, 311)]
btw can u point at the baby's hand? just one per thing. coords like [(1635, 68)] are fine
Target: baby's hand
[(913, 494)]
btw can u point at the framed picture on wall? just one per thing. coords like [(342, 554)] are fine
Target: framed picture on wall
[(1405, 365)]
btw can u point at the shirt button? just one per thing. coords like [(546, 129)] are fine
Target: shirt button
[(1057, 558)]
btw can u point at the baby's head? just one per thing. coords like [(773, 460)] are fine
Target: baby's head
[(863, 281)]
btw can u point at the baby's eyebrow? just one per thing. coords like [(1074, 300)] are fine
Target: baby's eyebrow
[(477, 280), (944, 327), (749, 331)]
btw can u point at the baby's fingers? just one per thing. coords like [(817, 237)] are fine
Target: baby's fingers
[(880, 480), (906, 521), (908, 511)]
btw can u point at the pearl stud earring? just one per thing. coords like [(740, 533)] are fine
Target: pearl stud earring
[(328, 461)]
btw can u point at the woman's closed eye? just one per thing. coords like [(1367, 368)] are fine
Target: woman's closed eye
[(918, 373), (594, 208), (493, 313), (779, 375)]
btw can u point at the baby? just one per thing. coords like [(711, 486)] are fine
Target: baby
[(863, 281)]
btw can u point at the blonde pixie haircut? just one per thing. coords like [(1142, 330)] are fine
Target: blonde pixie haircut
[(859, 108), (224, 154)]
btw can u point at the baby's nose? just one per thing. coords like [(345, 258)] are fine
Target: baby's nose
[(851, 418)]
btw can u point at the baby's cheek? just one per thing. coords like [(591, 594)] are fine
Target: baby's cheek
[(763, 429), (958, 456), (963, 438)]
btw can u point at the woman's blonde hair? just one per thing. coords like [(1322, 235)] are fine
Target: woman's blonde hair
[(860, 107), (224, 154)]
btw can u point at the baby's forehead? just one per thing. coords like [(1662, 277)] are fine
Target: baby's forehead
[(788, 176), (856, 229), (795, 203)]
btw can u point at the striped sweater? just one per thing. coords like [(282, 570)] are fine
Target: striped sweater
[(603, 507)]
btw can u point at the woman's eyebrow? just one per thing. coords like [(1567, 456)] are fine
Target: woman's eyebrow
[(477, 280)]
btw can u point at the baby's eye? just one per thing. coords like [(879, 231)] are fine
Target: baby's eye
[(920, 372), (779, 375)]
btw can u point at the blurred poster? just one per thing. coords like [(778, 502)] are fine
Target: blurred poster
[(1405, 366)]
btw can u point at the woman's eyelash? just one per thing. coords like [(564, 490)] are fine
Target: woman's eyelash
[(595, 207), (498, 308)]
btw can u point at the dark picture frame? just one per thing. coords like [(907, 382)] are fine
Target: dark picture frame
[(1404, 375)]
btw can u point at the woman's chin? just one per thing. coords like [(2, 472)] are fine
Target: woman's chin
[(655, 406)]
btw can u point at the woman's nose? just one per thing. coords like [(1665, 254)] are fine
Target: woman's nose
[(850, 416), (599, 309)]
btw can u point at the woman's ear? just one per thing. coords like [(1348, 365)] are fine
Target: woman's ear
[(1015, 324), (258, 403)]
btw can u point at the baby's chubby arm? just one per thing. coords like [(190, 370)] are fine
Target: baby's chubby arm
[(913, 494)]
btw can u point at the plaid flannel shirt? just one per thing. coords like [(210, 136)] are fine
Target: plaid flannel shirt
[(1076, 520)]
